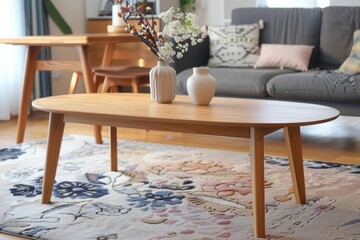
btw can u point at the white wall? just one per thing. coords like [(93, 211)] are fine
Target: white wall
[(313, 3), (203, 7), (218, 12), (92, 8), (345, 3), (74, 13), (229, 5), (293, 3)]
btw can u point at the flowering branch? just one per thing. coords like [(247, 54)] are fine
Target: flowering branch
[(145, 33), (178, 25)]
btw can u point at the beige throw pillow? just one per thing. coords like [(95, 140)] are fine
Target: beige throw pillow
[(234, 45), (352, 63), (284, 56)]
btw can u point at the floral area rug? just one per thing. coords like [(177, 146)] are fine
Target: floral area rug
[(169, 192)]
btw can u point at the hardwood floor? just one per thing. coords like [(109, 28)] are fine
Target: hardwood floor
[(337, 141)]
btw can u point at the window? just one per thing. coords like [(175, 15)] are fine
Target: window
[(12, 24)]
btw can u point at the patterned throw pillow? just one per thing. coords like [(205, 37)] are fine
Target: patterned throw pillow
[(352, 63), (234, 45)]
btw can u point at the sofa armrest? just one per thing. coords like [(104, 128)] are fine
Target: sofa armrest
[(197, 56)]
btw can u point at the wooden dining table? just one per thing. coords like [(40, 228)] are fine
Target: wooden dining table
[(79, 41)]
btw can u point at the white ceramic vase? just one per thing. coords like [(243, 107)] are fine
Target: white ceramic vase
[(201, 86), (162, 83)]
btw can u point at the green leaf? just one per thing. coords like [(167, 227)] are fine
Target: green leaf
[(57, 18)]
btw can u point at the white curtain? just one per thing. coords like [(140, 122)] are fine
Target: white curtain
[(12, 58)]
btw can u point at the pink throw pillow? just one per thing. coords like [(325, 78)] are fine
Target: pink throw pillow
[(284, 56)]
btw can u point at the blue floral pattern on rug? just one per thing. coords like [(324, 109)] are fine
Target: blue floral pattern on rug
[(28, 190), (80, 190), (10, 153), (155, 200), (281, 161), (25, 190)]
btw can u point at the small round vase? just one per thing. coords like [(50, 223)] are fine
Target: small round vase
[(162, 83), (201, 86)]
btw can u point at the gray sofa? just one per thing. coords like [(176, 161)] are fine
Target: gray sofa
[(329, 29)]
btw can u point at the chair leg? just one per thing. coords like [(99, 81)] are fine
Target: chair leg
[(105, 86), (99, 80), (113, 88), (135, 85), (74, 81)]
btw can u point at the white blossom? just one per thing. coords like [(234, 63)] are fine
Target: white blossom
[(179, 55), (168, 15), (166, 52), (180, 31)]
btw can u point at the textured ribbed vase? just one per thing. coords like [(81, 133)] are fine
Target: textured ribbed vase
[(163, 83), (201, 86)]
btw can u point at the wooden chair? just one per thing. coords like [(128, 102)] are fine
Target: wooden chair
[(129, 76), (111, 77), (76, 76), (121, 66)]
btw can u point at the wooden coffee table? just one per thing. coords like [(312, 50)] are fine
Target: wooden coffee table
[(233, 117)]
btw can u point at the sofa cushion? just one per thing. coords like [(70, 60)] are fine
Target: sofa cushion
[(296, 26), (338, 25), (235, 82), (352, 63), (316, 86), (234, 46), (284, 56)]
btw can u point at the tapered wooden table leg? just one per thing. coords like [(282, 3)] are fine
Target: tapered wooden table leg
[(294, 147), (56, 131), (84, 55), (113, 149), (97, 134), (257, 180), (29, 75)]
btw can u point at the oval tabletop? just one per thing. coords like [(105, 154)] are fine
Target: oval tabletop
[(221, 111)]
